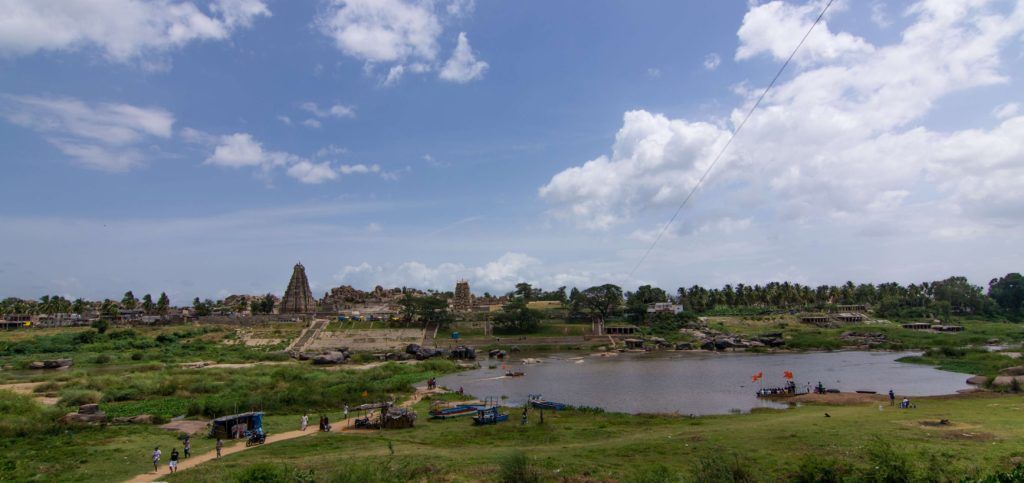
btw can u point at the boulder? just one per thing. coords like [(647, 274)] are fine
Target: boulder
[(331, 357), (684, 346), (1012, 371), (723, 343), (51, 364), (707, 344), (139, 419), (1007, 380), (89, 409), (771, 341), (421, 353), (977, 380), (463, 352)]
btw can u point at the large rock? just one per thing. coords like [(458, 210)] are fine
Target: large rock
[(977, 380), (463, 352), (331, 357), (139, 419), (1012, 371), (707, 344), (421, 353), (1007, 380), (51, 364), (771, 340), (683, 346), (89, 409), (723, 343)]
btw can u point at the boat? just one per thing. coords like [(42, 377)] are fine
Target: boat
[(514, 374), (489, 416), (866, 392), (538, 403), (442, 411)]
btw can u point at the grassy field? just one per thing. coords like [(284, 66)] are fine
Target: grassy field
[(858, 442)]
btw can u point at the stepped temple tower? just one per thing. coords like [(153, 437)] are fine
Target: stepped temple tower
[(463, 301), (298, 299)]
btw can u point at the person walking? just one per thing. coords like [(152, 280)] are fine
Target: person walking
[(892, 398), (346, 411), (220, 444), (156, 459), (188, 446), (304, 422), (327, 423), (173, 463)]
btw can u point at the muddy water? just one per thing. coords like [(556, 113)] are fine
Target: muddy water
[(696, 382)]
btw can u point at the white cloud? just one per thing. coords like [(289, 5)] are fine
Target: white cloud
[(463, 67), (359, 169), (240, 150), (313, 123), (287, 121), (461, 8), (382, 30), (776, 28), (330, 150), (123, 29), (1007, 110), (712, 61), (312, 173), (653, 72), (104, 136), (841, 142), (337, 110), (879, 16)]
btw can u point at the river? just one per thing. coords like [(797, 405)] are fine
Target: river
[(696, 382)]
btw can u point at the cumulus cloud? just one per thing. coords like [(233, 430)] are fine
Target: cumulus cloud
[(103, 136), (463, 66), (712, 61), (312, 173), (382, 30), (122, 29), (337, 110), (776, 27), (241, 150), (359, 169), (843, 141), (1007, 110)]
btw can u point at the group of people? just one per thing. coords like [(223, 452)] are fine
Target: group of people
[(789, 388), (431, 383), (904, 404), (172, 463)]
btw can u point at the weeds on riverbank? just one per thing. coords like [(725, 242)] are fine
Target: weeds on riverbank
[(965, 360)]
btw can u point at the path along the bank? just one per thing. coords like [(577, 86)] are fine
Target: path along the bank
[(196, 460)]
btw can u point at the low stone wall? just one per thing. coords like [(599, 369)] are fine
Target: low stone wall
[(252, 320), (370, 340)]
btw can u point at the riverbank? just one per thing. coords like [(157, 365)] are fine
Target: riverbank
[(981, 434)]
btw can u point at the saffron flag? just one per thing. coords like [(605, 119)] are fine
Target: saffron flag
[(788, 374), (756, 377)]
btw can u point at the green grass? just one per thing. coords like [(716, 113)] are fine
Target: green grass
[(857, 441)]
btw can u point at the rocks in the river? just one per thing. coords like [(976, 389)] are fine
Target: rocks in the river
[(977, 380), (51, 364), (684, 346), (462, 352), (421, 353), (496, 354)]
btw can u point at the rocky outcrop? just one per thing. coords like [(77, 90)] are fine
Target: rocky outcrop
[(330, 357), (298, 299), (51, 364), (87, 413), (139, 419), (463, 352), (421, 353)]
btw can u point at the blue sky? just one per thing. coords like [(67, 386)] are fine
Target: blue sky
[(202, 148)]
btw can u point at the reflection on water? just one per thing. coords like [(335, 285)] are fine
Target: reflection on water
[(697, 382)]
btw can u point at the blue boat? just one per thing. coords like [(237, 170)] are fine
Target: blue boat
[(489, 416), (458, 410), (539, 403)]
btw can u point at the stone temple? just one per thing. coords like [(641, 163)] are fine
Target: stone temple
[(298, 298), (463, 301)]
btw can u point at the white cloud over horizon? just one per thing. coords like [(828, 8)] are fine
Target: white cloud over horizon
[(124, 30), (463, 66)]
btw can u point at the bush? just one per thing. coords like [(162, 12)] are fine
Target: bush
[(515, 468), (820, 470), (78, 397), (724, 468), (138, 356), (654, 474), (272, 473), (100, 325), (102, 359), (885, 464)]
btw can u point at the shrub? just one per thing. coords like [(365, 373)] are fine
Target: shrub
[(654, 474), (272, 473), (516, 468), (885, 464), (102, 359), (78, 397), (815, 469), (137, 356), (722, 468), (100, 325)]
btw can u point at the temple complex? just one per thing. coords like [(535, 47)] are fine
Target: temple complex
[(298, 298), (463, 301)]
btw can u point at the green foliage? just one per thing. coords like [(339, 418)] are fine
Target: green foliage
[(965, 360), (426, 310), (101, 325), (272, 473), (77, 397), (102, 359), (667, 324), (21, 416), (816, 469), (166, 407), (722, 467), (887, 465), (516, 468), (1016, 475), (517, 318), (1008, 293), (601, 301), (657, 473)]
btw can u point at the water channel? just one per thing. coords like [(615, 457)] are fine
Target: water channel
[(696, 382)]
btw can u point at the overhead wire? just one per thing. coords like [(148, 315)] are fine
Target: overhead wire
[(732, 136)]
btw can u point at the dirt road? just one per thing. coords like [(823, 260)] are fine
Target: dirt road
[(196, 460)]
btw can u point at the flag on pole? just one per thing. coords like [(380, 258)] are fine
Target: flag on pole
[(757, 377), (788, 375)]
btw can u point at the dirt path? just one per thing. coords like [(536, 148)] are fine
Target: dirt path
[(26, 388), (196, 460)]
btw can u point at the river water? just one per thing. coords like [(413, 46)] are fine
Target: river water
[(696, 382)]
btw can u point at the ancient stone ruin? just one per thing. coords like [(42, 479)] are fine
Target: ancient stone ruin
[(298, 298), (463, 301)]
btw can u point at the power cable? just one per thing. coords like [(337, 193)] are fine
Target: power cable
[(731, 137)]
